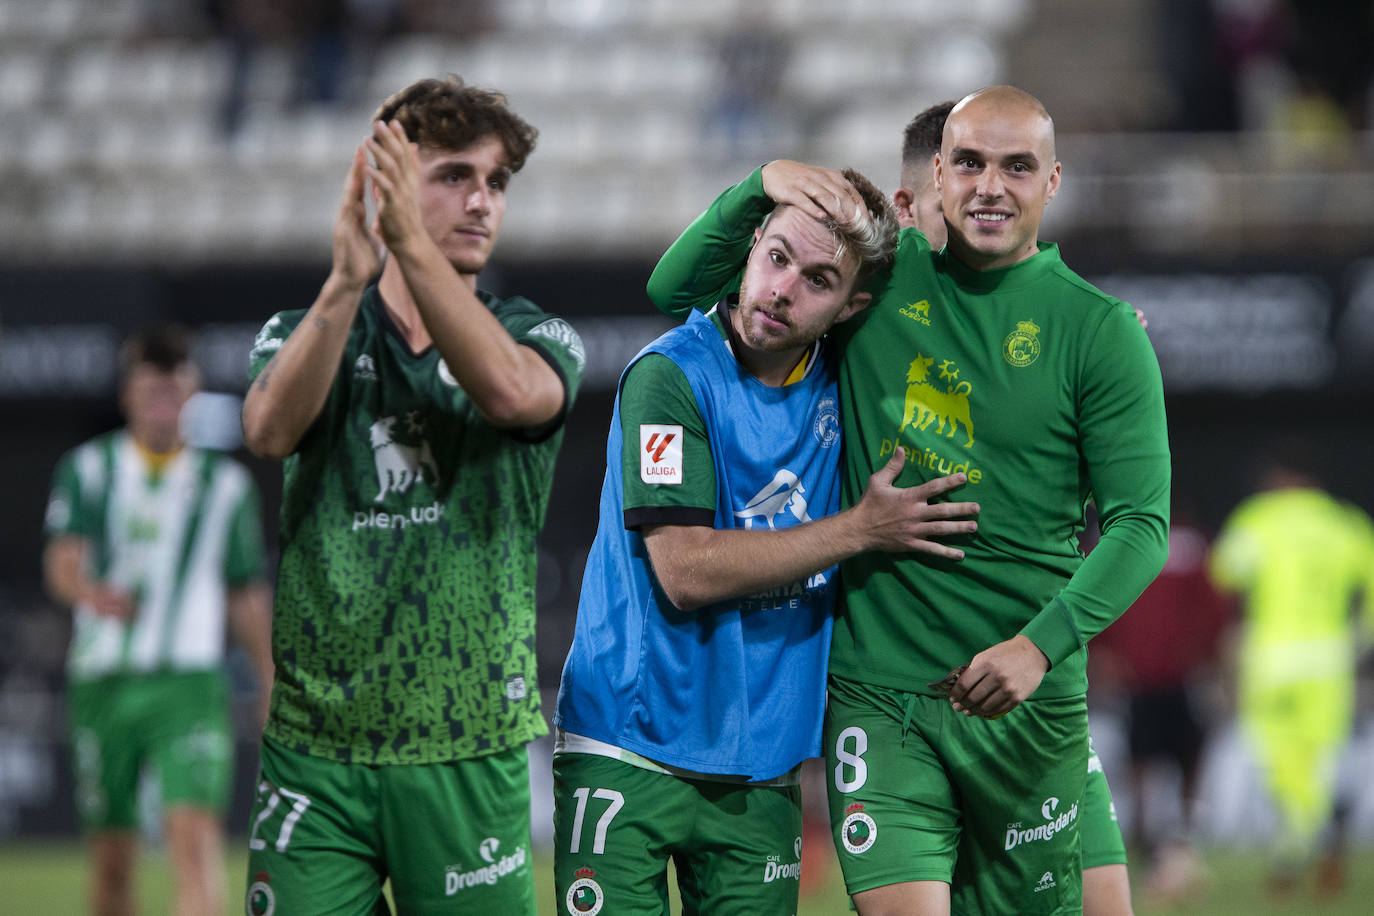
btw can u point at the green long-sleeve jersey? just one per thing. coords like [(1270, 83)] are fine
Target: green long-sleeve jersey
[(1041, 388)]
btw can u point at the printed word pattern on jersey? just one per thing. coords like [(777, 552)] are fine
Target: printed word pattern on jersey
[(414, 642)]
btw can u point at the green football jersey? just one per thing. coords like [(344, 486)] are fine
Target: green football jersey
[(174, 540), (405, 604), (1042, 389)]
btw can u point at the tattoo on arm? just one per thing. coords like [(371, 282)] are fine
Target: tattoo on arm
[(320, 322)]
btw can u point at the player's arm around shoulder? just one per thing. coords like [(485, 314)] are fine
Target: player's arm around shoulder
[(706, 261)]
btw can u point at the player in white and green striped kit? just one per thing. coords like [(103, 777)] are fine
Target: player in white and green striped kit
[(156, 546)]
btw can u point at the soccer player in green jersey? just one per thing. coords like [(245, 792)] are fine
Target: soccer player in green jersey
[(155, 545), (419, 418), (1106, 881), (1301, 560), (993, 359)]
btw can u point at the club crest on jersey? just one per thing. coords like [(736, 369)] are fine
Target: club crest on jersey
[(826, 426), (660, 453), (400, 466), (1021, 347), (927, 403), (584, 897)]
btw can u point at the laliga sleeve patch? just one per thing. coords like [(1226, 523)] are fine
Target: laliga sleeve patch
[(660, 453)]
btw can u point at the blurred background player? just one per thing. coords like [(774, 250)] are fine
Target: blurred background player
[(419, 418), (1301, 562), (695, 685), (155, 545)]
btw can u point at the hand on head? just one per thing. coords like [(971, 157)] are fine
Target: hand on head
[(823, 193)]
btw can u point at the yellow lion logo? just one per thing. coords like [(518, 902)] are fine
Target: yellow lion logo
[(926, 403)]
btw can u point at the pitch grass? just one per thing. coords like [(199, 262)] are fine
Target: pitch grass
[(48, 879)]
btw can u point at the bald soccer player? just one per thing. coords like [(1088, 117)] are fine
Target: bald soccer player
[(1106, 880)]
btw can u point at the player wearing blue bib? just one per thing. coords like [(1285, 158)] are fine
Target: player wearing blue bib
[(695, 684), (744, 689)]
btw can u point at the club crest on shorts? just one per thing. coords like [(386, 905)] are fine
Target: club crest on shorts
[(261, 900), (858, 830), (585, 897)]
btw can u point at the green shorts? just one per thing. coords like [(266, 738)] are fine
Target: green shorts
[(452, 837), (919, 792), (175, 722), (736, 847), (1097, 826)]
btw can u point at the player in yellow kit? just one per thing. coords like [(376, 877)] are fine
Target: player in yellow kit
[(1300, 559)]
